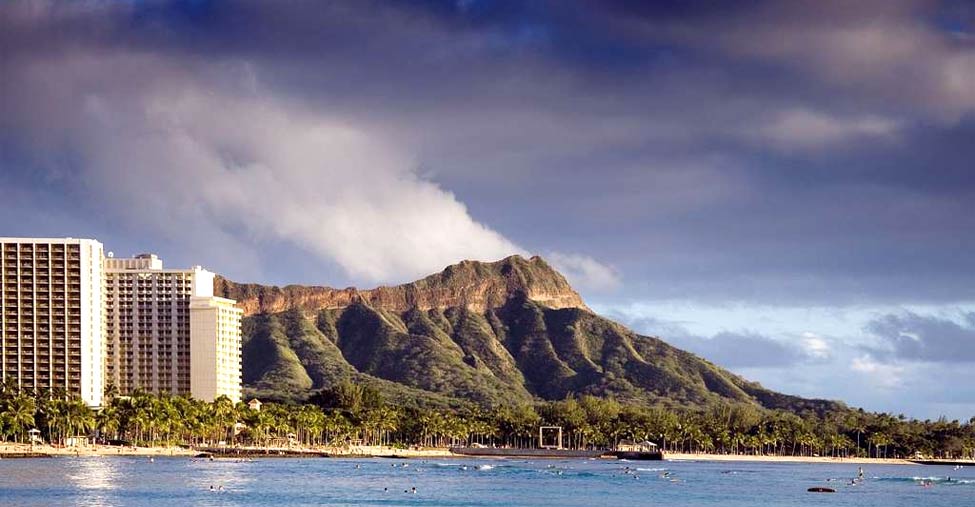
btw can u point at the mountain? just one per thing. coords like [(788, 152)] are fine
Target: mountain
[(478, 286), (492, 333)]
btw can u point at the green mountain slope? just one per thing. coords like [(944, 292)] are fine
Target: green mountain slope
[(489, 350)]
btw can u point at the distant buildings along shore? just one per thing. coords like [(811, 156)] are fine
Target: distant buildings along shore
[(75, 319)]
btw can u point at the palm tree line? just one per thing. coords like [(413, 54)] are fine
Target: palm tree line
[(349, 414)]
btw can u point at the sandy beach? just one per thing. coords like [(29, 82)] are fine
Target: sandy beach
[(12, 449), (92, 450), (785, 459)]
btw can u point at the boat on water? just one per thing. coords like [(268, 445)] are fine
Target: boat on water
[(638, 456), (638, 451)]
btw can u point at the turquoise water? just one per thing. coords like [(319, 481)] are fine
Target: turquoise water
[(303, 482)]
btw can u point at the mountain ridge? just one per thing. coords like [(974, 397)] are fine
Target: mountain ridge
[(471, 284), (495, 333)]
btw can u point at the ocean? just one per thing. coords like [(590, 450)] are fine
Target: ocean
[(139, 482)]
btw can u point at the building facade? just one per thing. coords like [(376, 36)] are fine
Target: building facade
[(75, 321), (52, 327), (215, 361), (148, 323)]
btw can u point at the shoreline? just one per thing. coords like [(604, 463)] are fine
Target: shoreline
[(786, 459), (25, 451)]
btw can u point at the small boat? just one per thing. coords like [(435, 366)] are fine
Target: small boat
[(820, 489), (638, 455)]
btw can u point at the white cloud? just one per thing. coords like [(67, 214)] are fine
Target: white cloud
[(801, 128), (880, 375), (815, 346), (200, 161), (584, 272), (885, 49)]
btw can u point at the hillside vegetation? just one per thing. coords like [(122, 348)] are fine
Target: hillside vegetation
[(507, 332)]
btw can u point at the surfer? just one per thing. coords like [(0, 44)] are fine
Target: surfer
[(860, 473)]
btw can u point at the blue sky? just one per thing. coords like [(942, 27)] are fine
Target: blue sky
[(783, 187)]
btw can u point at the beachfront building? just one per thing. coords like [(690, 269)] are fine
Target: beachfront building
[(52, 327), (148, 323), (75, 321), (153, 333), (215, 361)]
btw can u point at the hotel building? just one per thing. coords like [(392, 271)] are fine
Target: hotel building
[(148, 323), (52, 328), (75, 320), (215, 359), (160, 320)]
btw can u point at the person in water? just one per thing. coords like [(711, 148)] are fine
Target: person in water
[(860, 473)]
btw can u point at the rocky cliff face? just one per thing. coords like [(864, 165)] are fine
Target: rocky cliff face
[(476, 286)]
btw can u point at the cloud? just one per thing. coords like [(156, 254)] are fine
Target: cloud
[(205, 160), (568, 130), (912, 337), (587, 273), (735, 350), (816, 346), (878, 374), (741, 350), (801, 128), (883, 49)]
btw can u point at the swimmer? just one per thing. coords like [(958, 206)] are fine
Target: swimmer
[(413, 490)]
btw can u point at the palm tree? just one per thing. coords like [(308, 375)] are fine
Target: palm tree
[(18, 417), (107, 421)]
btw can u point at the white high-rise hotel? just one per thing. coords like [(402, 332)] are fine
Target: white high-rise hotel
[(161, 323), (75, 320), (52, 325)]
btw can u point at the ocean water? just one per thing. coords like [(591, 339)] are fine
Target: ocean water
[(113, 481)]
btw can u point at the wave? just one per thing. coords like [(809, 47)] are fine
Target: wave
[(947, 480)]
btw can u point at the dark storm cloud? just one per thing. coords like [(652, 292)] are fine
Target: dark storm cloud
[(771, 152), (912, 337)]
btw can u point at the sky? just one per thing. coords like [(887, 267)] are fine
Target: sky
[(785, 188)]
